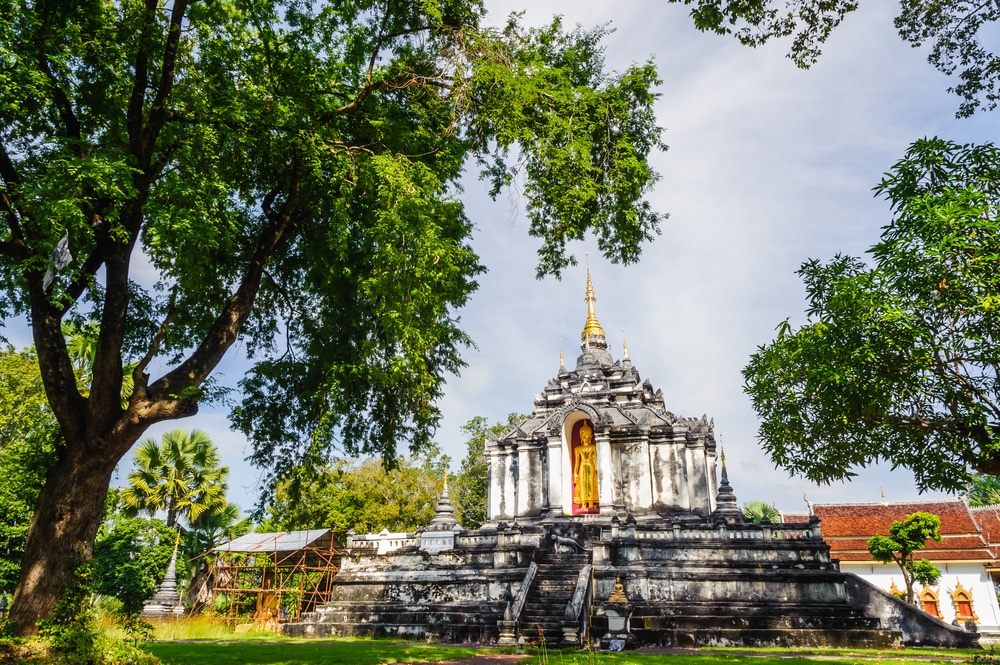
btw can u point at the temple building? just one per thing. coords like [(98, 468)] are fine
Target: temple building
[(612, 522), (600, 443), (966, 555)]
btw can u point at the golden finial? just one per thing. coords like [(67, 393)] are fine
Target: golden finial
[(592, 326), (624, 345), (722, 454), (562, 357), (885, 500)]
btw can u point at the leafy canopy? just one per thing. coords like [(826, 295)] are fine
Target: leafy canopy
[(984, 490), (29, 437), (905, 539), (900, 360), (366, 496), (290, 171), (757, 510), (470, 491), (959, 33), (131, 559)]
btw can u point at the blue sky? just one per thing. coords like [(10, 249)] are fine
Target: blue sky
[(768, 165)]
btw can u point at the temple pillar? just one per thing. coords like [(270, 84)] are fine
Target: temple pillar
[(637, 475), (494, 466), (698, 486), (605, 473), (710, 458), (511, 486), (618, 476), (530, 480), (554, 500)]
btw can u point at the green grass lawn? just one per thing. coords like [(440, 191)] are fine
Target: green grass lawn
[(302, 652), (374, 652)]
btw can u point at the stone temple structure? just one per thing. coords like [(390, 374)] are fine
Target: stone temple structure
[(611, 521)]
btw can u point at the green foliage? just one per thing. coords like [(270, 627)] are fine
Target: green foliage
[(905, 539), (181, 477), (958, 31), (471, 485), (984, 490), (756, 510), (70, 631), (924, 572), (29, 438), (131, 559), (365, 496), (899, 360)]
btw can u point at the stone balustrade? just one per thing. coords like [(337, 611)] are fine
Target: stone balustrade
[(722, 532)]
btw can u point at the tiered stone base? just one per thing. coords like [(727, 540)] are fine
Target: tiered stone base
[(685, 585), (452, 622)]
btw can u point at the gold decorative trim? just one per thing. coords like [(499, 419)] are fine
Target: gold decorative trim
[(961, 595), (928, 596)]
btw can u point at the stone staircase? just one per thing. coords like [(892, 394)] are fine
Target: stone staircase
[(555, 582)]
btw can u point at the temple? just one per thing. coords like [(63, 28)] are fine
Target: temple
[(611, 522), (600, 443)]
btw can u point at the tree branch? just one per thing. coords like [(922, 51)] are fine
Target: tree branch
[(12, 179), (133, 115), (193, 371), (64, 105), (139, 377), (157, 114)]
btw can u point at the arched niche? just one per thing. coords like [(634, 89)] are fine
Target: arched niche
[(574, 422), (929, 602), (961, 598)]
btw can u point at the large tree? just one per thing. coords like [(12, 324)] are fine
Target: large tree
[(900, 358), (283, 173), (958, 31)]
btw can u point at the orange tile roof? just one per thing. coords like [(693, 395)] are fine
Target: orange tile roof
[(989, 519), (847, 527), (796, 518)]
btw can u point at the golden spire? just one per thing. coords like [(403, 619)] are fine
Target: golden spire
[(624, 346), (592, 326)]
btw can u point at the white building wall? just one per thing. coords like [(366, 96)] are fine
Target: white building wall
[(971, 574)]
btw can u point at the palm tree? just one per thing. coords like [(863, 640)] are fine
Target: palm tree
[(81, 343), (757, 510), (210, 529), (181, 477), (214, 526), (984, 491)]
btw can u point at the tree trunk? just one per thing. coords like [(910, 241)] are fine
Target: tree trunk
[(62, 532)]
